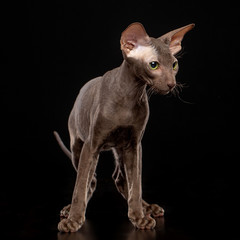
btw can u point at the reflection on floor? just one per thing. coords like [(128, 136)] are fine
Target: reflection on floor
[(126, 231), (192, 224)]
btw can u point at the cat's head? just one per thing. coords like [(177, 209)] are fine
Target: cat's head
[(153, 60)]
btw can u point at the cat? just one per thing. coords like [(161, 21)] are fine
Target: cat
[(111, 113)]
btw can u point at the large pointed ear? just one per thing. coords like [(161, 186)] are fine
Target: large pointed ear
[(133, 36), (174, 38)]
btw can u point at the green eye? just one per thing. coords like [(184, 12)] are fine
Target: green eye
[(154, 65), (175, 65)]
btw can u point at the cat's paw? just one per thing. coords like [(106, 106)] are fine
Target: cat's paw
[(146, 222), (64, 213), (68, 225), (154, 210)]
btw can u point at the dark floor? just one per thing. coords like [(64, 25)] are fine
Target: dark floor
[(199, 198), (188, 216), (41, 223)]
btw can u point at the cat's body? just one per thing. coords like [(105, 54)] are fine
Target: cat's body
[(111, 113)]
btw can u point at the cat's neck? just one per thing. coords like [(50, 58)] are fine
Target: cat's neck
[(129, 85)]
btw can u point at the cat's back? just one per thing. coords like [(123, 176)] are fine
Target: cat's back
[(88, 93), (84, 107), (91, 85)]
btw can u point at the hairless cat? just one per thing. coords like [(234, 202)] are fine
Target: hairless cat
[(111, 113)]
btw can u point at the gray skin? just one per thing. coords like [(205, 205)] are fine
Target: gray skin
[(111, 113)]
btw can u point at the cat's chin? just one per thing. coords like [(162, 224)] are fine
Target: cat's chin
[(163, 92), (166, 92)]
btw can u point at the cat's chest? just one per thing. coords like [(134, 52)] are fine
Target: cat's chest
[(118, 137), (122, 123), (124, 114)]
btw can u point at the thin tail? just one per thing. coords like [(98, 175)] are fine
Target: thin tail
[(61, 144)]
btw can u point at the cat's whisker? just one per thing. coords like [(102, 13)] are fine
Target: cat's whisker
[(152, 90), (149, 92), (175, 92), (178, 89)]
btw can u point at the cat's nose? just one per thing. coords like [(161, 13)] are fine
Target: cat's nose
[(171, 85)]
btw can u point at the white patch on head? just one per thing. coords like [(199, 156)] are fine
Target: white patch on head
[(146, 53)]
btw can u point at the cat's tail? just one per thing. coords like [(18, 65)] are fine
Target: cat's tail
[(61, 144)]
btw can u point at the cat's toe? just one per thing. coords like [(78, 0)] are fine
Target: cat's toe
[(157, 211), (146, 222), (68, 225), (64, 213), (154, 210)]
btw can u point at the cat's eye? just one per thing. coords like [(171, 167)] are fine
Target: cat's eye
[(175, 65), (154, 65)]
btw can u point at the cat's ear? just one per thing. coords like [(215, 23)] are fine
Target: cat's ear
[(133, 36), (174, 38)]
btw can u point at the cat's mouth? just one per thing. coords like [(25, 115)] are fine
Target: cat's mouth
[(165, 92), (169, 90), (160, 88)]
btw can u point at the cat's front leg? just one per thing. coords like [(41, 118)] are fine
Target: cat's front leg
[(133, 168), (64, 213), (150, 209), (119, 177), (85, 174)]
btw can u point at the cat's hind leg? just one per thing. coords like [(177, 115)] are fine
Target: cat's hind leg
[(119, 178), (136, 211), (121, 184), (76, 148), (152, 209), (119, 175), (64, 213)]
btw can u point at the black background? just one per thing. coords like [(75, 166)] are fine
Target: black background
[(49, 50)]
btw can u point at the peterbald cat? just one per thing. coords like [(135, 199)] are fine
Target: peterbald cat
[(111, 113)]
